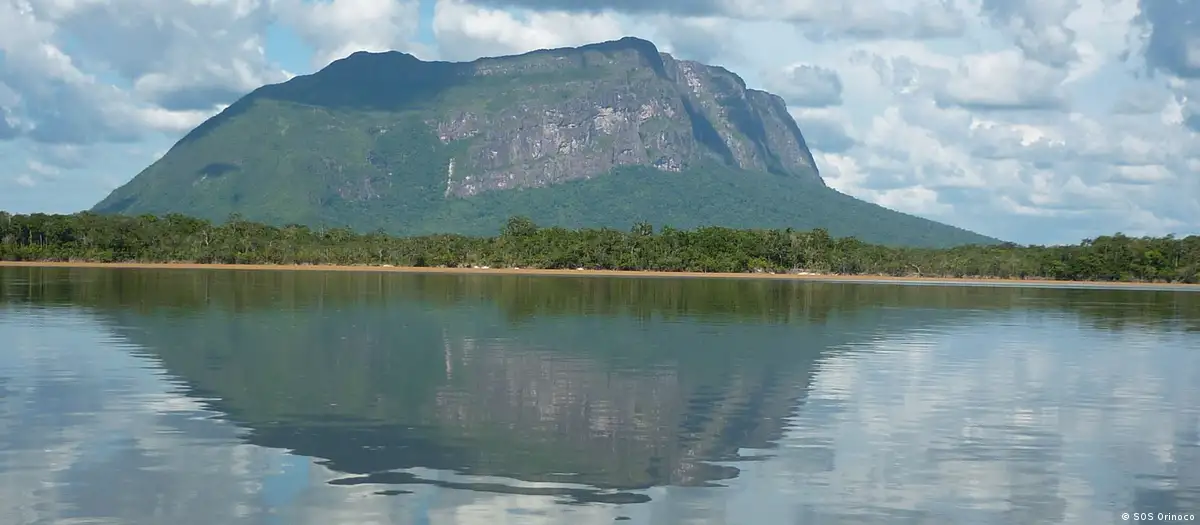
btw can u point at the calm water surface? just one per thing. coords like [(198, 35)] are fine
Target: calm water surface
[(213, 397)]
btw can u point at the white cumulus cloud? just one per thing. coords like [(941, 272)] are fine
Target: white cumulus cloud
[(1035, 121)]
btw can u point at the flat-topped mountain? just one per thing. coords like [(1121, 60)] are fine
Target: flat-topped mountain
[(607, 134)]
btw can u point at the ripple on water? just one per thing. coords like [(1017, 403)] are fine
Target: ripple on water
[(967, 416), (1054, 421)]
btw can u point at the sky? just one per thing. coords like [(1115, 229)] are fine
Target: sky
[(1036, 121)]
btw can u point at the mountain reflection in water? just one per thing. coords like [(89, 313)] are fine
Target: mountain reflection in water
[(658, 392)]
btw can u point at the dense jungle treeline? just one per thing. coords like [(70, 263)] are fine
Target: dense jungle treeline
[(176, 238)]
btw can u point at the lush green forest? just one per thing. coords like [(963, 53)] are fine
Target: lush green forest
[(176, 238)]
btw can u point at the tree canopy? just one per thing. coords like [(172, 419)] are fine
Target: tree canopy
[(177, 238)]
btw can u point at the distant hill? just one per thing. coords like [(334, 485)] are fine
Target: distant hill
[(607, 134)]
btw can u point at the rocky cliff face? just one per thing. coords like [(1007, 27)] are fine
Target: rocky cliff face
[(565, 114), (556, 115)]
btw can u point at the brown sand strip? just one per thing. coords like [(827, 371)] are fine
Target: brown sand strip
[(601, 273)]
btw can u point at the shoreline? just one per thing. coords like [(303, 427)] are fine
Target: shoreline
[(813, 277)]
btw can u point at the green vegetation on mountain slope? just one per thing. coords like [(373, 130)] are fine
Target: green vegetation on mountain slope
[(414, 203), (583, 137), (92, 237), (734, 199)]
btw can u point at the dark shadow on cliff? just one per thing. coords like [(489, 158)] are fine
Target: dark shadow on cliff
[(394, 81), (390, 81)]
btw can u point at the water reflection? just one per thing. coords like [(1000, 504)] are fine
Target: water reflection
[(92, 434), (1004, 422), (223, 397)]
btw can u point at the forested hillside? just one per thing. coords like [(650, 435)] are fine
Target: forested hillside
[(603, 135)]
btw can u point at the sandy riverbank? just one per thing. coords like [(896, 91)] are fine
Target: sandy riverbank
[(600, 273)]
